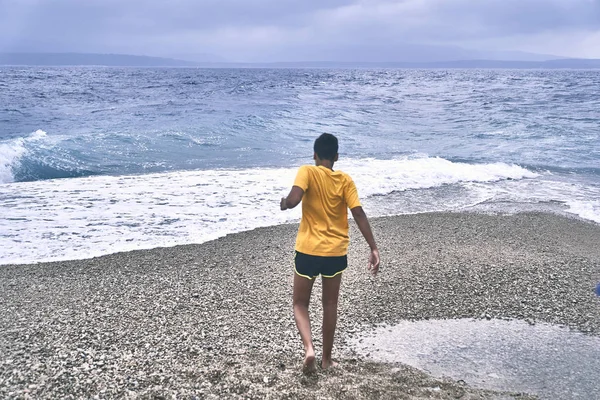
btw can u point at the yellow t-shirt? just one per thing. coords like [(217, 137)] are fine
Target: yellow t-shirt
[(327, 196)]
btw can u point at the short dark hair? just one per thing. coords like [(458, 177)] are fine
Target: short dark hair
[(326, 147)]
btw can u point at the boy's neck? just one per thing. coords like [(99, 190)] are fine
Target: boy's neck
[(325, 163)]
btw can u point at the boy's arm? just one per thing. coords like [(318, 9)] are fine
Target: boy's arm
[(292, 199), (363, 225), (301, 184)]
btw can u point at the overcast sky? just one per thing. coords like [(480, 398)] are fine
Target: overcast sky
[(294, 30)]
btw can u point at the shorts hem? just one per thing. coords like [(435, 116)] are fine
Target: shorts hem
[(304, 276), (334, 275)]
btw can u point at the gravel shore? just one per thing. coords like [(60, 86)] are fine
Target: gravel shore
[(215, 321)]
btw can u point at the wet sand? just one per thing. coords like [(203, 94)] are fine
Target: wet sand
[(215, 321)]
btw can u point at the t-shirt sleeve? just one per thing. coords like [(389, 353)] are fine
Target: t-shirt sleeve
[(351, 195), (302, 178)]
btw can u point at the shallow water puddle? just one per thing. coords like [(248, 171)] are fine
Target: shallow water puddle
[(550, 361)]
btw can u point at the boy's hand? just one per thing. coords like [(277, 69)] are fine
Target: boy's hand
[(292, 199), (374, 262)]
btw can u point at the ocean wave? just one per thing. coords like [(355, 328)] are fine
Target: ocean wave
[(381, 177), (12, 151), (39, 157), (201, 205)]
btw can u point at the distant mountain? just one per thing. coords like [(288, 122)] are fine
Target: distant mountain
[(461, 64), (513, 56), (566, 63), (197, 57), (72, 59), (90, 59), (398, 52)]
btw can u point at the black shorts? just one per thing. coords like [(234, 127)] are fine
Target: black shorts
[(310, 267)]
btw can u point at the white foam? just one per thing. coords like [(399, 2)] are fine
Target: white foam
[(12, 151), (39, 134), (586, 209), (386, 176), (578, 198), (86, 217)]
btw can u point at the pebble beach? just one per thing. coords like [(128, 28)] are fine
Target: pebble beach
[(214, 320)]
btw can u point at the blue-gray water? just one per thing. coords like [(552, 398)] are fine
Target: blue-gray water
[(545, 360), (153, 157)]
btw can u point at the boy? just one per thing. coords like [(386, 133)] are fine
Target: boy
[(322, 241)]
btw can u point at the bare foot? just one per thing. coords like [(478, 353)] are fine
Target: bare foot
[(328, 364), (309, 362)]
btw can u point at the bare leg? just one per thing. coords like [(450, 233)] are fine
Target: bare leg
[(331, 291), (302, 290)]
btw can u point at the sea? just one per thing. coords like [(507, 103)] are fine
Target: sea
[(98, 160)]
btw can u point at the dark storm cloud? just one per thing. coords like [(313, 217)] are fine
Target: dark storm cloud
[(251, 29)]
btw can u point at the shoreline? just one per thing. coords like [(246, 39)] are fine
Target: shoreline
[(477, 209), (215, 319)]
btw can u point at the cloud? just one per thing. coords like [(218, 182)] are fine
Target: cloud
[(287, 29), (450, 20)]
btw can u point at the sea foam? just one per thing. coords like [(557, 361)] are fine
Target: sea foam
[(12, 151), (84, 217), (379, 177)]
